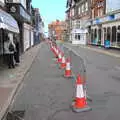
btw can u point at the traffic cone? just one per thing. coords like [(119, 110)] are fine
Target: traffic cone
[(52, 48), (80, 103), (59, 60), (68, 72), (63, 63), (55, 52)]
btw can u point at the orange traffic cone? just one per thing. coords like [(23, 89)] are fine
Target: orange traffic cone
[(80, 103), (52, 48), (68, 72), (63, 63), (55, 52), (59, 57)]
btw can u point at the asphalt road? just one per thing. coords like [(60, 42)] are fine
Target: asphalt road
[(47, 95)]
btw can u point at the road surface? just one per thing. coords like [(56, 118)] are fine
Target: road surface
[(47, 95)]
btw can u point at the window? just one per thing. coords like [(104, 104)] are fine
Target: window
[(99, 35), (105, 34), (78, 24), (82, 8), (79, 10), (118, 34), (108, 33), (114, 34), (86, 6), (92, 35), (78, 37), (1, 41), (95, 33), (73, 12)]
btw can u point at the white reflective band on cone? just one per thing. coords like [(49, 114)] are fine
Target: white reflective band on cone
[(68, 66), (63, 60), (60, 56), (57, 51), (80, 92)]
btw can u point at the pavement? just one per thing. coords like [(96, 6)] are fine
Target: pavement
[(110, 52), (10, 79)]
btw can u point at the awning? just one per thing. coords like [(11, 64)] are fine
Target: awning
[(81, 31), (8, 22)]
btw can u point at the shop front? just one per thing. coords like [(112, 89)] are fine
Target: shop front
[(8, 26), (79, 36), (106, 31), (112, 33), (24, 22), (96, 35)]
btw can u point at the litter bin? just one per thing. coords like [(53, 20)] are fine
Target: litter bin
[(107, 44)]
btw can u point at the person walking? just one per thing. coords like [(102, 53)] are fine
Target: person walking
[(9, 49)]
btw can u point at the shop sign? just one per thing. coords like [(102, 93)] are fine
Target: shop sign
[(97, 21), (117, 16), (104, 19), (24, 14), (110, 17)]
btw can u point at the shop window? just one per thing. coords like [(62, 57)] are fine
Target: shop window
[(108, 33), (82, 8), (1, 41), (78, 37), (114, 34), (99, 33), (79, 10), (86, 6), (92, 35), (105, 33), (118, 35), (95, 33)]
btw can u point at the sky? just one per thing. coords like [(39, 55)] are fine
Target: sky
[(50, 10)]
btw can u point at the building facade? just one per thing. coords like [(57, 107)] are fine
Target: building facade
[(38, 25), (21, 11), (57, 30), (78, 19), (8, 26), (105, 23)]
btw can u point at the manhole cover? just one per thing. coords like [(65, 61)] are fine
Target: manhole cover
[(15, 115)]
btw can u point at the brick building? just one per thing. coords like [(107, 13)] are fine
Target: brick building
[(57, 30), (105, 23), (77, 16)]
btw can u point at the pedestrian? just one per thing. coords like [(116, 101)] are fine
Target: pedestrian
[(9, 49), (17, 51)]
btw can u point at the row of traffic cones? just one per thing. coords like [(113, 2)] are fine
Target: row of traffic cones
[(64, 63), (80, 103)]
